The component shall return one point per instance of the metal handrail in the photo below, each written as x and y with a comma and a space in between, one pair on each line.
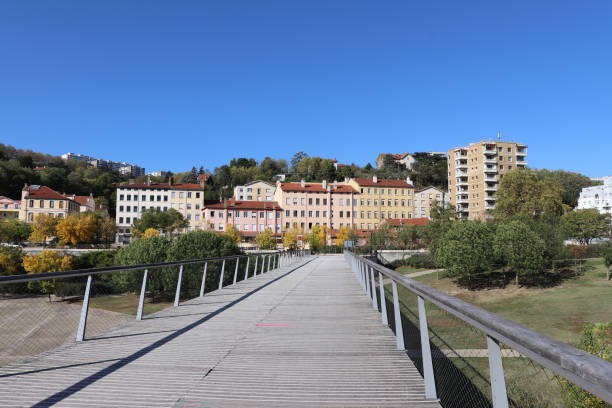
96, 271
587, 371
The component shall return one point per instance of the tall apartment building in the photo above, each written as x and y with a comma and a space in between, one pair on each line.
474, 173
379, 199
37, 200
426, 198
598, 197
255, 191
309, 204
122, 167
132, 199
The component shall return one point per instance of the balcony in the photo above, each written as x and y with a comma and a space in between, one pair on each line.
491, 187
462, 199
489, 149
490, 178
490, 168
490, 206
462, 181
460, 165
490, 159
461, 173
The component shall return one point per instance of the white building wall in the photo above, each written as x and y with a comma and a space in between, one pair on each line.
598, 197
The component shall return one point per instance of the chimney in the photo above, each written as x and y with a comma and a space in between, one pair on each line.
324, 184
375, 179
346, 180
148, 180
170, 181
408, 180
335, 185
303, 183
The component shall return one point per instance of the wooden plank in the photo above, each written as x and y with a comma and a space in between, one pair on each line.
307, 337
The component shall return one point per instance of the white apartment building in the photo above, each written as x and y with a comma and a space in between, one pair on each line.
255, 191
133, 199
425, 198
598, 197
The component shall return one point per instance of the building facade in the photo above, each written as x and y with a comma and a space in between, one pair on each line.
426, 198
308, 204
36, 199
378, 200
402, 158
597, 197
86, 203
122, 167
249, 217
9, 209
474, 173
255, 191
133, 199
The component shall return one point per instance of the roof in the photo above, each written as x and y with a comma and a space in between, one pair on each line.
397, 222
418, 190
9, 199
81, 199
43, 192
232, 204
317, 187
396, 156
258, 181
382, 183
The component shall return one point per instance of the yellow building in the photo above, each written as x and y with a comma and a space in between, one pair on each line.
37, 200
379, 200
474, 173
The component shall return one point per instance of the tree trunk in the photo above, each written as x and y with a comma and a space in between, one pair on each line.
516, 278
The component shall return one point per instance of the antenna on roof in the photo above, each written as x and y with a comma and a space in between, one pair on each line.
499, 135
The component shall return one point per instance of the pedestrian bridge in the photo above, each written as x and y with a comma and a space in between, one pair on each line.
309, 332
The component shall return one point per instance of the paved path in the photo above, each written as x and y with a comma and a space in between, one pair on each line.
306, 337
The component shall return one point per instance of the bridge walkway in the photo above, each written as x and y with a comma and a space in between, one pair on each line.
298, 336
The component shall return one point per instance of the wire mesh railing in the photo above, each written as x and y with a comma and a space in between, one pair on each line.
469, 357
40, 312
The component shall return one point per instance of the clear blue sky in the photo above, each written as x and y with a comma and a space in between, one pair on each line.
171, 84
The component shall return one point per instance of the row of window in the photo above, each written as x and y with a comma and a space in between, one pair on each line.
318, 201
379, 190
129, 220
152, 197
250, 190
248, 227
41, 203
388, 203
245, 214
179, 206
31, 216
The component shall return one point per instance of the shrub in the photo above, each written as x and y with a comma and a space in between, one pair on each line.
94, 259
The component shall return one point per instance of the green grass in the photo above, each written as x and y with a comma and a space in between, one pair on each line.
404, 270
125, 303
559, 312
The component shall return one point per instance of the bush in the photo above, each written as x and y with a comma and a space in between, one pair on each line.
422, 261
94, 259
11, 259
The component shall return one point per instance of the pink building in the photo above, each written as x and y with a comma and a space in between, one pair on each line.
249, 217
308, 204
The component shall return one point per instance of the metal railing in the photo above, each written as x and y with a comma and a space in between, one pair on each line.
533, 361
30, 325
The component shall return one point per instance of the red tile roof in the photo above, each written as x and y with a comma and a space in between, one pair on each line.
81, 199
243, 205
317, 188
396, 222
368, 182
43, 192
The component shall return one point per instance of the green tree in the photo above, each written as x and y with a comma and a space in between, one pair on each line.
14, 231
296, 159
290, 238
521, 249
521, 192
465, 250
571, 183
441, 221
233, 232
410, 236
586, 225
11, 261
382, 237
46, 261
167, 221
43, 228
266, 239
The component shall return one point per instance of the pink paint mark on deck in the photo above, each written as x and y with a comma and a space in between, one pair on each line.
272, 325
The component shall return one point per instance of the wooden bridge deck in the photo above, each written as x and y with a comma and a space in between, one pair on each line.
289, 338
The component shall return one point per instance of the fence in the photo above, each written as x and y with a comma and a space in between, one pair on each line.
87, 303
469, 357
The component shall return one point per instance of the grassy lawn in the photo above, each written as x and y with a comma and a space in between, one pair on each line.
559, 312
125, 303
404, 270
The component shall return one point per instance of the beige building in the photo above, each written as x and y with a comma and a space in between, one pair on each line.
380, 199
9, 209
86, 203
37, 200
402, 158
426, 198
255, 191
474, 173
133, 199
308, 204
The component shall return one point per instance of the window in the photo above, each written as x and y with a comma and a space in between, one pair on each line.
382, 202
288, 201
261, 214
197, 195
348, 214
143, 198
220, 214
382, 191
120, 220
310, 201
317, 201
245, 214
151, 198
361, 202
246, 227
189, 206
295, 201
127, 220
270, 215
165, 198
303, 213
237, 214
341, 214
221, 227
287, 213
302, 201
325, 201
181, 195
375, 203
135, 209
362, 215
172, 194
121, 197
129, 197
52, 204
375, 214
253, 214
189, 194
197, 206
317, 213
212, 213
278, 214
295, 213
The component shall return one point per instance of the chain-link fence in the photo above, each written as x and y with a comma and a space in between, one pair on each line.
38, 313
459, 349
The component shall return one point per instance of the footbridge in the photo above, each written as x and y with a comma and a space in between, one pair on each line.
274, 329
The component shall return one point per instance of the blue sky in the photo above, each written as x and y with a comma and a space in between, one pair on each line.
171, 84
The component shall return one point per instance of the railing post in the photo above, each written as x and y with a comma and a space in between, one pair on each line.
263, 264
222, 272
203, 284
399, 331
246, 269
84, 311
496, 368
383, 300
367, 280
177, 296
143, 290
255, 269
428, 374
373, 285
269, 260
236, 270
